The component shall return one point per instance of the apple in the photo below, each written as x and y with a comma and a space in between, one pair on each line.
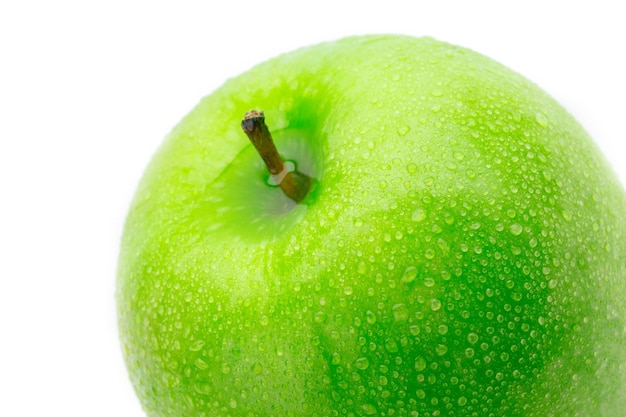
460, 249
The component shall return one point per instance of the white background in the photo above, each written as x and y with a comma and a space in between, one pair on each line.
89, 89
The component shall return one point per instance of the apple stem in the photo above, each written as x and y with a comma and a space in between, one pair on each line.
294, 184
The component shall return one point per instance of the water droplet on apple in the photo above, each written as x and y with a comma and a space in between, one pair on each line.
566, 216
370, 317
516, 229
400, 312
347, 290
420, 363
336, 359
403, 130
436, 93
362, 363
200, 364
391, 345
226, 369
411, 168
472, 338
541, 119
435, 304
369, 409
409, 275
418, 215
197, 345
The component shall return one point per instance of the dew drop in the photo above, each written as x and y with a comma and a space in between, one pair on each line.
200, 364
391, 345
516, 229
403, 130
420, 363
362, 363
196, 346
541, 119
369, 409
472, 338
409, 275
418, 215
400, 313
435, 304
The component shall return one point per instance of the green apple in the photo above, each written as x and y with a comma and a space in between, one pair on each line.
462, 251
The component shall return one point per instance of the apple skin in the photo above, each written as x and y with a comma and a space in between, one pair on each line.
463, 253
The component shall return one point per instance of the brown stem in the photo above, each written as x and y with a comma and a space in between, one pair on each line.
294, 184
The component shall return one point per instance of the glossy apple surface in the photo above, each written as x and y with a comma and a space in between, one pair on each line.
463, 252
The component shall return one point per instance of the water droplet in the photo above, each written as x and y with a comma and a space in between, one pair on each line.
420, 363
411, 168
257, 368
200, 364
437, 93
226, 368
409, 274
553, 283
441, 349
462, 401
429, 253
400, 313
391, 345
435, 304
418, 215
264, 320
362, 363
196, 346
370, 317
369, 409
336, 359
347, 290
472, 338
516, 229
541, 119
403, 130
567, 216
